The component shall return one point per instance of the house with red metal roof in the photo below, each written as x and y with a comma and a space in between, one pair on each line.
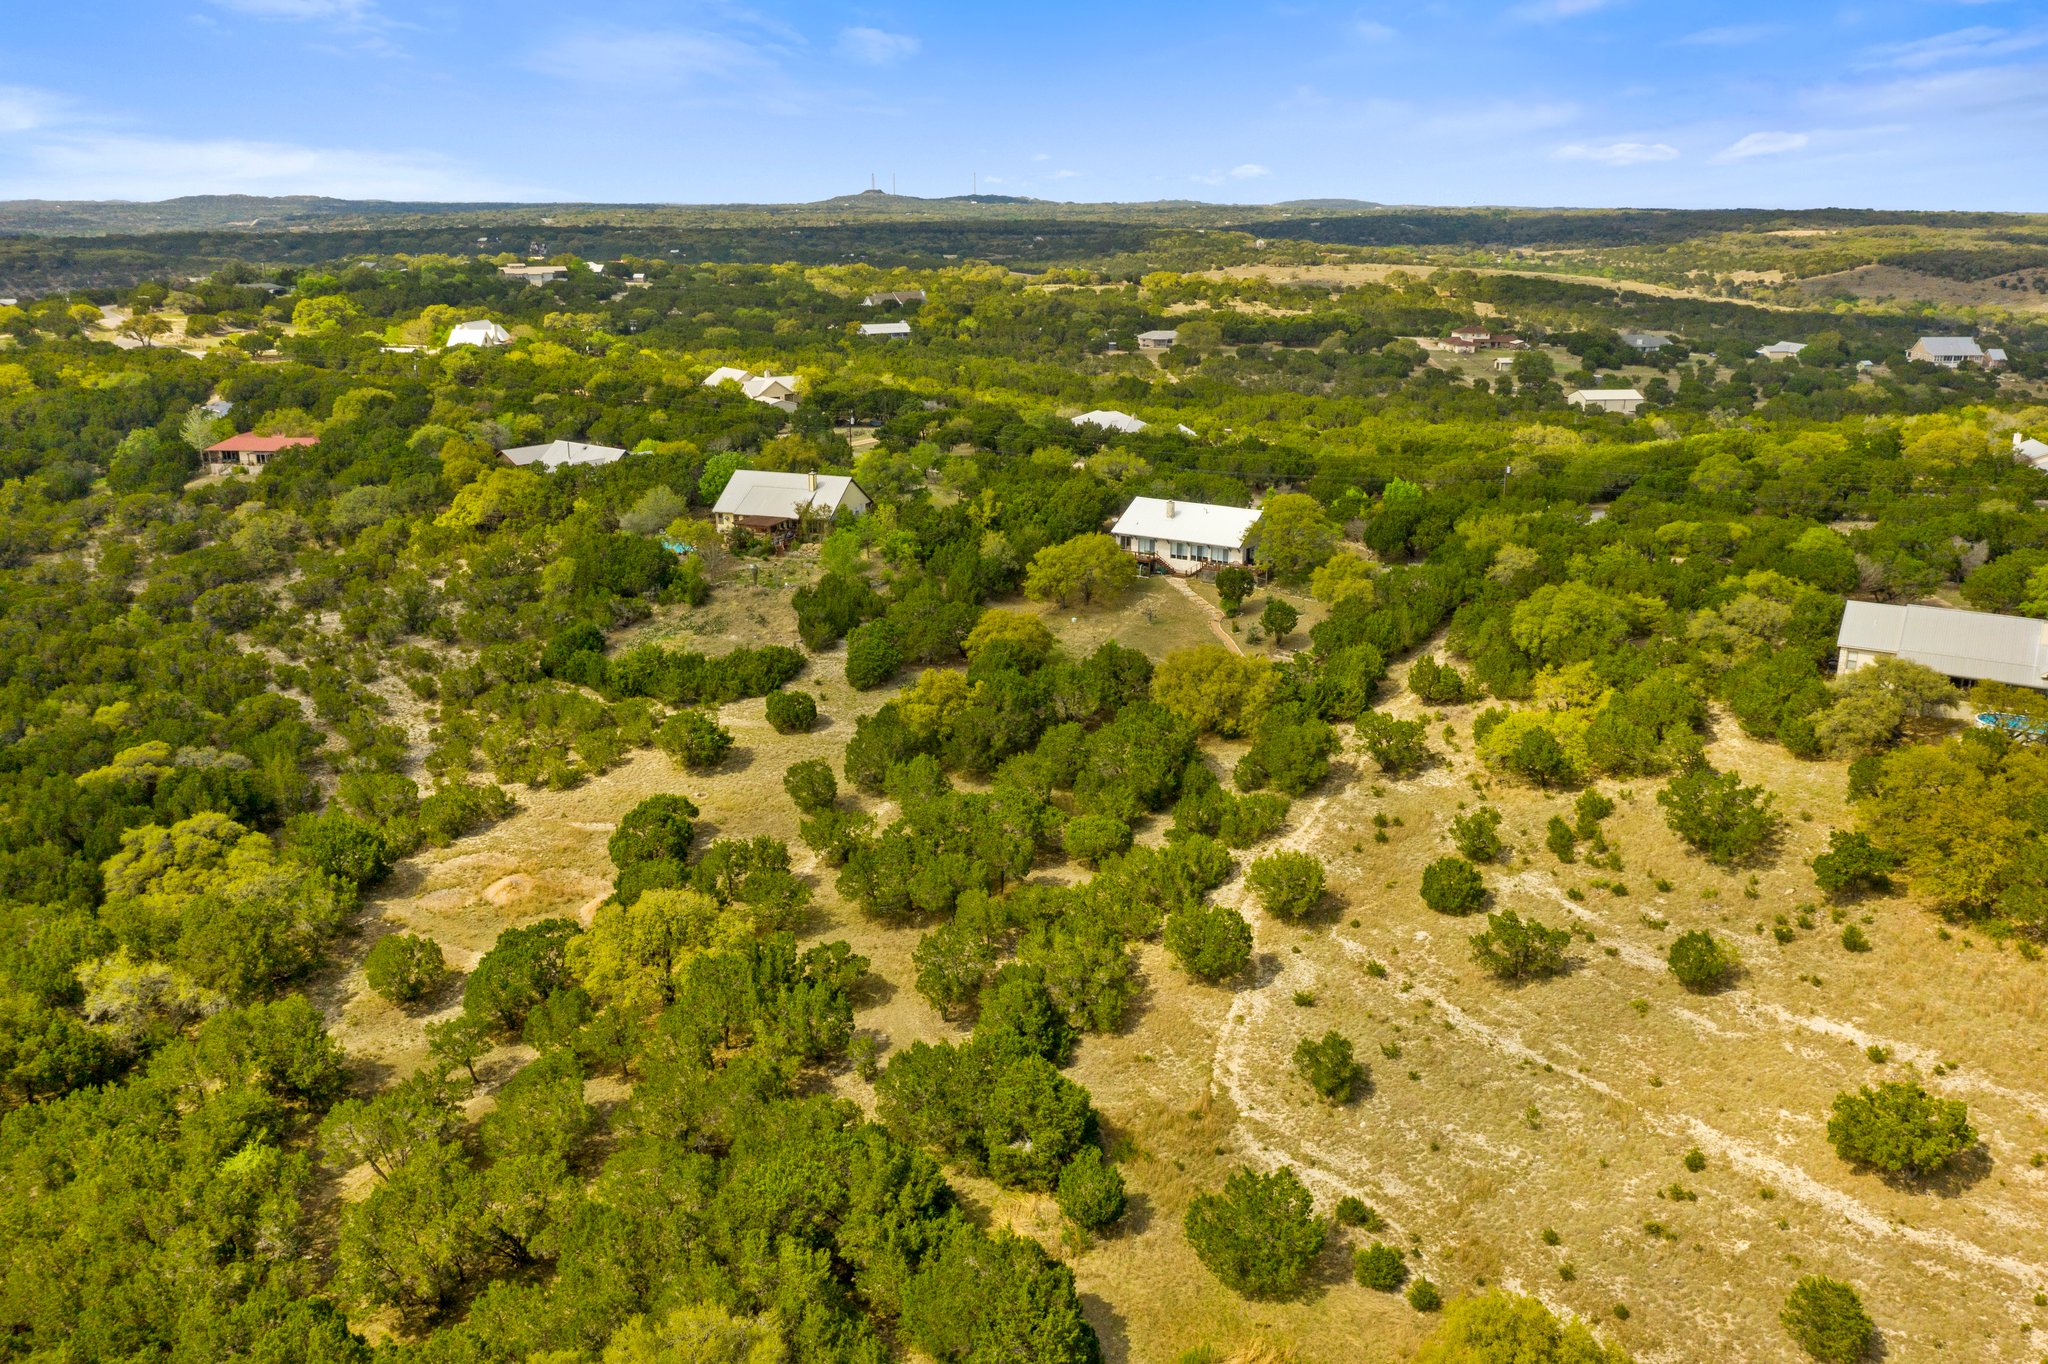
252, 451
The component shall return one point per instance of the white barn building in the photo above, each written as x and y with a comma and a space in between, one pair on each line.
1969, 646
478, 333
1185, 537
1625, 401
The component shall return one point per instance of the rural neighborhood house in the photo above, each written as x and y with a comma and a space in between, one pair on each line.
1967, 646
777, 504
557, 454
252, 451
1185, 537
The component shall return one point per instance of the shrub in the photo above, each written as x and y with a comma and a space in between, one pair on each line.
521, 970
792, 712
872, 655
1094, 838
1289, 884
1496, 1327
1899, 1128
694, 739
1329, 1067
1589, 809
1398, 746
811, 785
1424, 1297
1211, 942
1852, 863
1034, 1123
1279, 619
1718, 815
1379, 1267
1260, 1235
1513, 948
1478, 834
1439, 684
405, 969
1701, 961
1451, 885
460, 809
1854, 939
1091, 1190
351, 849
1826, 1319
1353, 1212
658, 829
1560, 838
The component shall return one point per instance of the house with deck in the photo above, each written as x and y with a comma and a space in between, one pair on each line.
779, 505
1185, 537
1623, 401
1965, 646
1158, 340
1950, 352
560, 454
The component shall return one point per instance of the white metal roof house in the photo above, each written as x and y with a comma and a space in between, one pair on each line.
1994, 358
774, 503
558, 454
896, 296
2034, 452
776, 390
1622, 400
1186, 537
885, 329
478, 333
1950, 352
1970, 646
1111, 420
1781, 350
725, 374
1158, 340
535, 274
1644, 340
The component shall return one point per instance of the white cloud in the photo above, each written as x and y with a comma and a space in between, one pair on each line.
1617, 153
1728, 35
344, 11
95, 166
1977, 43
22, 108
1550, 11
1063, 175
1760, 144
1041, 156
875, 47
1250, 170
1373, 31
674, 54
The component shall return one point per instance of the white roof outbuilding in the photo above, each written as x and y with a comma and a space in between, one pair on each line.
557, 454
478, 333
1191, 523
725, 374
2034, 452
1974, 645
885, 329
1781, 350
1111, 420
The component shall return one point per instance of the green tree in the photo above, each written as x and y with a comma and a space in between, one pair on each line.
1852, 863
1329, 1067
1826, 1319
1477, 834
1518, 949
1095, 839
1085, 569
522, 969
1233, 585
1567, 622
811, 785
694, 739
1035, 1121
1289, 884
1498, 1327
1718, 815
1379, 1267
405, 969
791, 712
873, 656
659, 828
1873, 702
1702, 962
653, 511
1091, 1190
1278, 619
1259, 1236
1294, 536
1398, 746
1899, 1128
701, 1333
1215, 690
1211, 942
1451, 885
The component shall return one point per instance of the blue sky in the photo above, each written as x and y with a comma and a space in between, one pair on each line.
1929, 104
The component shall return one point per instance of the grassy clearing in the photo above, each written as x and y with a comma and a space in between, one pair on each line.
1494, 1112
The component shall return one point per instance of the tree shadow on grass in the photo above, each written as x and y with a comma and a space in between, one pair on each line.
1109, 1329
1952, 1180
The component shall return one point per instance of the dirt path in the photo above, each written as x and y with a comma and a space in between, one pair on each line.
1210, 614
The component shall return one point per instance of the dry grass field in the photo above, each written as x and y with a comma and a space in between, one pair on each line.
1494, 1113
1896, 284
